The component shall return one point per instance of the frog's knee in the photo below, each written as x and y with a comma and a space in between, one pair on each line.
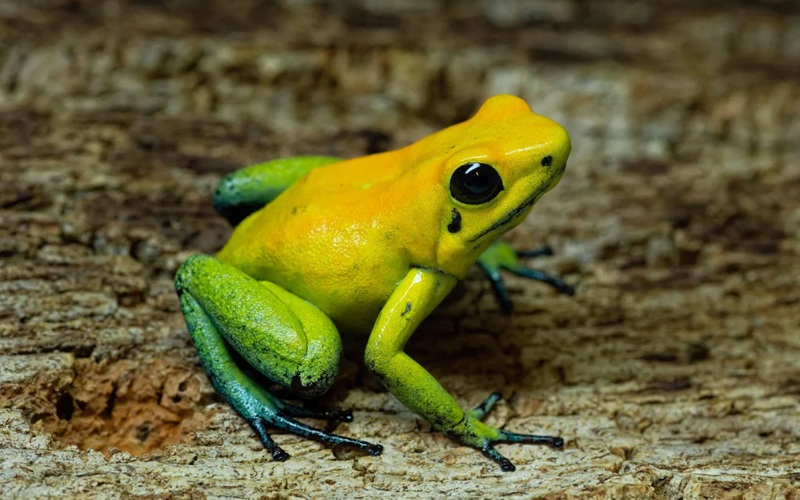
194, 265
320, 366
314, 388
183, 275
376, 361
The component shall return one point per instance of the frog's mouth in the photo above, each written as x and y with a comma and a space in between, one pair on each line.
522, 207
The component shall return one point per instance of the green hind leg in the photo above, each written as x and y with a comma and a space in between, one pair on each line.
246, 190
502, 256
278, 334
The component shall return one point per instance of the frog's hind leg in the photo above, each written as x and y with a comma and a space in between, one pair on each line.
248, 189
309, 408
502, 256
282, 336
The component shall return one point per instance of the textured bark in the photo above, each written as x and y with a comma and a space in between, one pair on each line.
674, 371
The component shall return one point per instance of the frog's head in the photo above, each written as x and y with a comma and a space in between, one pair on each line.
498, 164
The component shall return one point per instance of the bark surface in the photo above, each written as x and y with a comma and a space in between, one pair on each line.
674, 371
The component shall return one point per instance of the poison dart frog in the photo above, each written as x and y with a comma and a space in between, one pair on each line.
368, 246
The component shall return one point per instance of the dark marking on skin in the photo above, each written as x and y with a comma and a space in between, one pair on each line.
509, 216
294, 210
515, 212
439, 424
388, 235
455, 224
547, 161
408, 309
433, 270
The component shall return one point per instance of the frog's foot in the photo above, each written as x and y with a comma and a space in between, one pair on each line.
309, 408
475, 433
502, 256
281, 421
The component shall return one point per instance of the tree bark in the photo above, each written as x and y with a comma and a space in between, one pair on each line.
673, 372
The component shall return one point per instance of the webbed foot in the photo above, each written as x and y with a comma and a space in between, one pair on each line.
283, 421
502, 256
484, 437
263, 410
332, 417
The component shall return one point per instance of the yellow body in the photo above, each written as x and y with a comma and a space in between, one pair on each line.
346, 234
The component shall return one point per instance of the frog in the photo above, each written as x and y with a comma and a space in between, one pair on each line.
366, 247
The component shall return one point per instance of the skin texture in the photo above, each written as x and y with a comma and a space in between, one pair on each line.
369, 246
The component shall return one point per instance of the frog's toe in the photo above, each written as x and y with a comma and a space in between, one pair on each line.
486, 406
544, 251
559, 284
340, 416
491, 452
282, 416
374, 449
333, 417
259, 425
485, 437
480, 411
291, 425
501, 256
556, 442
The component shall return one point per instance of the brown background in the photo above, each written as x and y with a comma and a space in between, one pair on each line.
675, 371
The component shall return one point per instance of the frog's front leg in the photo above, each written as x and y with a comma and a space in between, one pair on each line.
282, 336
413, 299
501, 255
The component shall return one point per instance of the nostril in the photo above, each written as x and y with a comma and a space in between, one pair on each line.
547, 161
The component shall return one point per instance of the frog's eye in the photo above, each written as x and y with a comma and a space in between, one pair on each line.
475, 183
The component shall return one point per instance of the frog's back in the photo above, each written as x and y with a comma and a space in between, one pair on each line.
340, 238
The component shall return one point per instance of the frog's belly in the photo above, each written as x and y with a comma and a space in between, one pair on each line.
348, 271
351, 295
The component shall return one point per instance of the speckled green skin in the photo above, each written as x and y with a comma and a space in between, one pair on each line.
250, 188
282, 336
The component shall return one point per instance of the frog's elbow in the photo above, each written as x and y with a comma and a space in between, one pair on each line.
377, 359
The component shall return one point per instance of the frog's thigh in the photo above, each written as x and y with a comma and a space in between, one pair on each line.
284, 337
243, 192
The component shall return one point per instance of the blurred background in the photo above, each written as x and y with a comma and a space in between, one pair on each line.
674, 371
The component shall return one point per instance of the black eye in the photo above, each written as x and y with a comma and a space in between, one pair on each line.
547, 161
475, 183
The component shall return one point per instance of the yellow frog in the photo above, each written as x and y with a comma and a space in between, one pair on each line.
367, 246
